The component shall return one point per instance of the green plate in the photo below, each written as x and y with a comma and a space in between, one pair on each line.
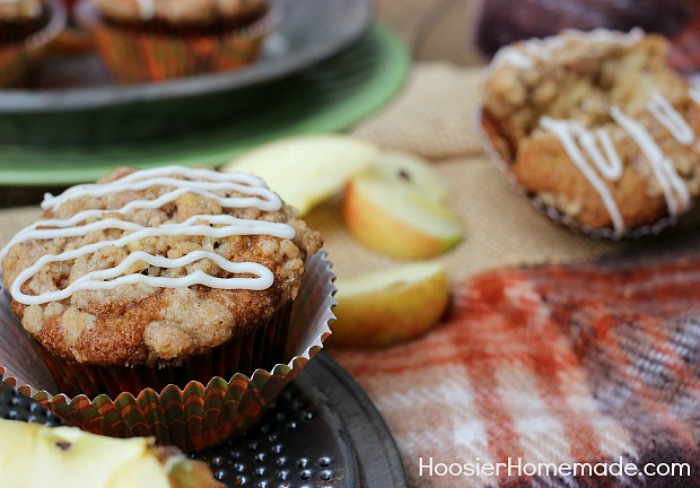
329, 97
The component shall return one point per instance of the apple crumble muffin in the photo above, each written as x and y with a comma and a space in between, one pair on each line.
155, 266
598, 128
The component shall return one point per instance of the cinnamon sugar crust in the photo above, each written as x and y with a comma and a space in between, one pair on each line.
580, 80
138, 324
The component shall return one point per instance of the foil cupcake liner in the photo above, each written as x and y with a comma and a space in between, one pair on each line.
198, 415
18, 59
496, 148
142, 56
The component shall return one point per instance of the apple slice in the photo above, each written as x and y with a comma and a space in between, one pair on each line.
307, 170
407, 167
65, 456
399, 208
388, 307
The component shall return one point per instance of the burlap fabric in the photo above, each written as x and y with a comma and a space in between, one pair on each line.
434, 117
508, 374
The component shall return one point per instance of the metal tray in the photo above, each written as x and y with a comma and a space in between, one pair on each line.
323, 432
76, 103
329, 97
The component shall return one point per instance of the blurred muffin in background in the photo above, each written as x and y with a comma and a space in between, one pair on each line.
597, 129
155, 40
26, 27
183, 14
73, 40
16, 11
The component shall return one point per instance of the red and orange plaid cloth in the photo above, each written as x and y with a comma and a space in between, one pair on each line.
561, 364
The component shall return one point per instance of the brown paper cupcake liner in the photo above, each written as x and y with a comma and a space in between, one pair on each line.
143, 56
497, 149
201, 413
262, 348
18, 58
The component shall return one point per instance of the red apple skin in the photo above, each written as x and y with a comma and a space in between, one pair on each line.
390, 316
382, 232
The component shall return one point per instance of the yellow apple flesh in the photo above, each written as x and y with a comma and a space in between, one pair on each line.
399, 208
39, 456
307, 170
388, 307
410, 168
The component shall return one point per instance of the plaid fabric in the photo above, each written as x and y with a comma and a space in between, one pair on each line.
553, 364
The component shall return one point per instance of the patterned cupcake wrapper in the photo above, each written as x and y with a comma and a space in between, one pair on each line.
134, 57
496, 148
18, 59
200, 414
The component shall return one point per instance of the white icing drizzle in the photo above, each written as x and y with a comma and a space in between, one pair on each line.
94, 280
675, 192
669, 117
211, 226
231, 226
147, 8
694, 93
611, 167
512, 56
569, 132
243, 183
522, 55
574, 136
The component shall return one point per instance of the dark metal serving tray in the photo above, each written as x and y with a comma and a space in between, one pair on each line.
323, 432
76, 103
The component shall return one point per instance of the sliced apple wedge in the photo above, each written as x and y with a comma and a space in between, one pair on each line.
388, 307
307, 170
399, 208
36, 456
395, 165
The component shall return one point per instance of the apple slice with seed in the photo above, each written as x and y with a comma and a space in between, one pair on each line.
399, 208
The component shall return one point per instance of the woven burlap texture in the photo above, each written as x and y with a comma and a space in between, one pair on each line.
434, 117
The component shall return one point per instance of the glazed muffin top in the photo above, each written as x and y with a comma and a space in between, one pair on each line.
180, 12
155, 266
575, 75
20, 10
598, 126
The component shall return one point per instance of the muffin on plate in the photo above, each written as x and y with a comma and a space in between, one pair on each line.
167, 277
156, 40
597, 129
26, 28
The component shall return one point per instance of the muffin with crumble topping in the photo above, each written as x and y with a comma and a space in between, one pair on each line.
156, 40
20, 18
597, 128
26, 28
163, 277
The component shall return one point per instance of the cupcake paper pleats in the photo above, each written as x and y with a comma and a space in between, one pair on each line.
143, 55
